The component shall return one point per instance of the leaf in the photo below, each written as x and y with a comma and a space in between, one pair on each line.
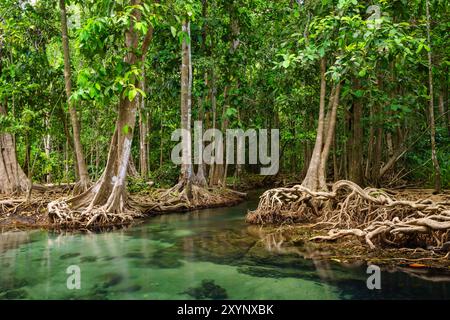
322, 52
231, 112
419, 48
132, 94
417, 265
359, 93
125, 129
362, 73
174, 31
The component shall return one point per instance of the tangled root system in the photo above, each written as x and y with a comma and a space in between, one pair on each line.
185, 197
371, 214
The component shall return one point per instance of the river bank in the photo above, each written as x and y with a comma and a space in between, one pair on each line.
205, 254
17, 214
20, 213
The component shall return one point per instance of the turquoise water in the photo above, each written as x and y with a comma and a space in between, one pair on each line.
209, 254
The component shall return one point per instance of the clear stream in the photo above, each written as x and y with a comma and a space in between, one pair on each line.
209, 254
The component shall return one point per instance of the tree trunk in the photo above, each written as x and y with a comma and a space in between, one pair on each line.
220, 167
186, 175
437, 169
214, 124
331, 125
108, 195
355, 168
161, 141
200, 176
143, 115
378, 143
307, 147
12, 177
82, 169
369, 146
47, 147
311, 179
446, 99
143, 131
335, 162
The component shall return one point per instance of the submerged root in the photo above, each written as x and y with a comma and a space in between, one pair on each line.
370, 214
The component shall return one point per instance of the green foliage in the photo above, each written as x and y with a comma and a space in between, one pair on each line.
165, 176
271, 76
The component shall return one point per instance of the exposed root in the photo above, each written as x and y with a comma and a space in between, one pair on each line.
81, 186
117, 208
371, 214
62, 214
94, 208
186, 197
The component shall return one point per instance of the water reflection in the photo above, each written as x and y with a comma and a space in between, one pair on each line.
210, 254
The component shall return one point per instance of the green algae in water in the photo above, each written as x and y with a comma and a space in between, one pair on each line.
210, 254
111, 279
138, 255
208, 289
70, 255
88, 259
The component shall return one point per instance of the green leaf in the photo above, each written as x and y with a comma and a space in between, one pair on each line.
132, 94
125, 129
231, 112
362, 73
359, 93
174, 31
322, 52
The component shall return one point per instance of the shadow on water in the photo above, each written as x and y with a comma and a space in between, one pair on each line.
208, 254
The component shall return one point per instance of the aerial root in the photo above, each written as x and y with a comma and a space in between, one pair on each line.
349, 210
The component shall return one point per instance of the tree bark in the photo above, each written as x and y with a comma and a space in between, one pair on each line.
214, 124
355, 168
80, 161
200, 178
143, 115
311, 179
12, 177
109, 193
437, 169
331, 126
143, 131
186, 175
